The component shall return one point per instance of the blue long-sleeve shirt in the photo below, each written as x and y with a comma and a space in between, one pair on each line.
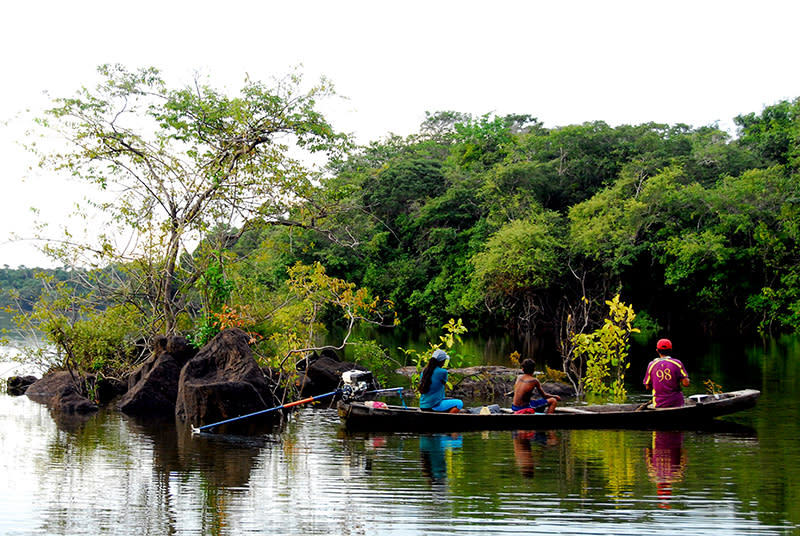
435, 394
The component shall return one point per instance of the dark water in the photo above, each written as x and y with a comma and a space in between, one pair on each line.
113, 475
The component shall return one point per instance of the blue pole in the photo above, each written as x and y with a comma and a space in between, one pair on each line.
263, 411
393, 389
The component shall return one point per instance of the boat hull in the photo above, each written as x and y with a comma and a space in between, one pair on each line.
698, 411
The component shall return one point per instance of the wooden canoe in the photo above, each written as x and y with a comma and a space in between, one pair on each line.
699, 409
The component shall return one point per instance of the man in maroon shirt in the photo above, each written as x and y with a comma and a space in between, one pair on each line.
665, 376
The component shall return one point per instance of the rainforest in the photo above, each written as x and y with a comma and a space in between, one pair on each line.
500, 222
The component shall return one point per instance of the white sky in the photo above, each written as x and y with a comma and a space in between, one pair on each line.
562, 61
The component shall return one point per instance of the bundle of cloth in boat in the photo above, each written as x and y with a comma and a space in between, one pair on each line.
486, 410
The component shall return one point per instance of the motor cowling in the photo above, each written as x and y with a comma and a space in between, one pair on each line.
355, 383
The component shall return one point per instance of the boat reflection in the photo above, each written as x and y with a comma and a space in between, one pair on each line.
666, 463
435, 450
524, 452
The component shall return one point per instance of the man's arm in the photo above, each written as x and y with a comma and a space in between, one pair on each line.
685, 378
648, 384
538, 386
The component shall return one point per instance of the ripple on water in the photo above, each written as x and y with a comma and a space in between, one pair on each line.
113, 475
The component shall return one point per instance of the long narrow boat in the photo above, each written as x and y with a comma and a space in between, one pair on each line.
699, 410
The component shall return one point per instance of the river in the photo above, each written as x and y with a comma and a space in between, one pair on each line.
109, 474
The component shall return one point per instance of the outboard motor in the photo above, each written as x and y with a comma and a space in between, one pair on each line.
355, 383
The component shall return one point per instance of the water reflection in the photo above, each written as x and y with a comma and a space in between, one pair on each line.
525, 454
130, 477
435, 450
115, 475
223, 460
71, 423
666, 461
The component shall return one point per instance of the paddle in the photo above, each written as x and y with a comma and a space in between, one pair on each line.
199, 429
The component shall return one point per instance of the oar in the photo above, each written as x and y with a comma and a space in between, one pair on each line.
196, 430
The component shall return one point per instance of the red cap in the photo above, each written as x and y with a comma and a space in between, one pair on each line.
664, 344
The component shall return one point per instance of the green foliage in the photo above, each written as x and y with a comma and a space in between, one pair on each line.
448, 341
214, 285
205, 329
482, 142
779, 304
102, 342
295, 327
605, 351
496, 220
647, 328
181, 160
216, 290
773, 135
620, 223
20, 287
372, 356
522, 255
608, 227
79, 338
745, 221
512, 191
402, 188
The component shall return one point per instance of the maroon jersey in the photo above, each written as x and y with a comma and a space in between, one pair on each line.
664, 375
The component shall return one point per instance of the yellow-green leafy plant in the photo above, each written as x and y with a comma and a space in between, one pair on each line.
604, 352
553, 375
296, 329
453, 331
712, 388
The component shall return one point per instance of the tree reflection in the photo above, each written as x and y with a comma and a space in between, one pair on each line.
611, 453
217, 467
666, 462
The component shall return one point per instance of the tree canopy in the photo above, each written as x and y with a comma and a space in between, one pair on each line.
496, 220
178, 162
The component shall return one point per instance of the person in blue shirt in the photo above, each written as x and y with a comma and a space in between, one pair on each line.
432, 384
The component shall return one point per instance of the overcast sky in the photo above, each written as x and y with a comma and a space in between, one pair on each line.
563, 61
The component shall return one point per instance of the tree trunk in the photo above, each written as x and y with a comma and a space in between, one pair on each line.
168, 283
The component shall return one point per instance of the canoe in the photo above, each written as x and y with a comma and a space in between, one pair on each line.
698, 410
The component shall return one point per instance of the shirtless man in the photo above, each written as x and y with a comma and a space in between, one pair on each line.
524, 388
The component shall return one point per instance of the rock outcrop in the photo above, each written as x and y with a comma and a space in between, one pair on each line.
222, 381
17, 385
322, 374
63, 391
489, 383
153, 387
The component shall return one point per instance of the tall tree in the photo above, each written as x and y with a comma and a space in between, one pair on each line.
520, 262
774, 135
179, 161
